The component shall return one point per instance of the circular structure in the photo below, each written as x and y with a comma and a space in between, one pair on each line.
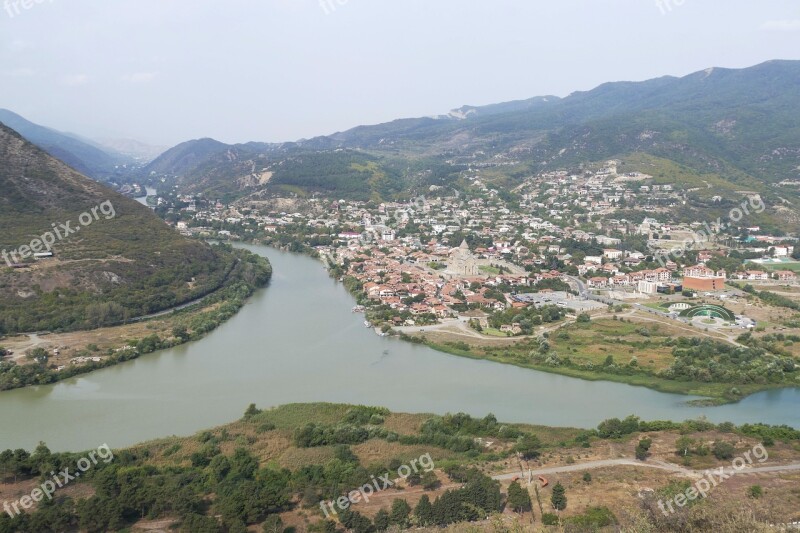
710, 311
681, 306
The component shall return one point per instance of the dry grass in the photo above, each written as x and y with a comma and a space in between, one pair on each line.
405, 424
618, 488
76, 343
621, 340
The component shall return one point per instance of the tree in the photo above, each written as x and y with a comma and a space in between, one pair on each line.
414, 479
723, 450
251, 411
195, 523
643, 448
181, 333
356, 521
529, 446
559, 497
39, 355
615, 428
424, 511
400, 513
519, 499
430, 481
683, 445
381, 520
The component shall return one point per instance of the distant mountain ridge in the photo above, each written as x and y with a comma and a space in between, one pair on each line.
742, 124
82, 155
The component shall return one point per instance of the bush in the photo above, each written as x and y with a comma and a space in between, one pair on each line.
755, 491
593, 519
723, 450
550, 519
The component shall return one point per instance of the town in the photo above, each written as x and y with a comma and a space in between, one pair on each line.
558, 240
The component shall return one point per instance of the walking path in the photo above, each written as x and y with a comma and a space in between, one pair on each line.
660, 465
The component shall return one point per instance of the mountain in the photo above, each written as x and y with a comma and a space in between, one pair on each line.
186, 157
739, 127
114, 259
734, 108
82, 155
214, 168
516, 106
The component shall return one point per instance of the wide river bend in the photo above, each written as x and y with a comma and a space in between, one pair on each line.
297, 341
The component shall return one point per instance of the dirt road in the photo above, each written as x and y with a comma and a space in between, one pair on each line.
660, 465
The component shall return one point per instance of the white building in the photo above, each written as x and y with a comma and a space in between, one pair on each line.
647, 287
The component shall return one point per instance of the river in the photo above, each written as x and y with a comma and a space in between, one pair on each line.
143, 199
297, 341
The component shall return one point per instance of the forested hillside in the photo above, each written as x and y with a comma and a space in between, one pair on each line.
116, 261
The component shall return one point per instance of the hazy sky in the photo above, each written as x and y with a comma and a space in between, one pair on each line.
165, 71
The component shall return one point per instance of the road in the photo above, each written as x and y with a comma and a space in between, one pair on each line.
660, 465
461, 327
667, 319
454, 327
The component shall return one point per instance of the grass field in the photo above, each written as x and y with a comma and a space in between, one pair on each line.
594, 342
489, 269
493, 332
794, 266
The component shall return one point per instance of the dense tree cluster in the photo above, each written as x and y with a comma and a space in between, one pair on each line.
771, 298
712, 361
251, 272
313, 435
528, 318
347, 174
142, 293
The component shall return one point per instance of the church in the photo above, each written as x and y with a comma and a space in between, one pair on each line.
462, 262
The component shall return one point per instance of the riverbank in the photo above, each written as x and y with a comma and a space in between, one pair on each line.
298, 341
47, 358
710, 393
585, 363
713, 394
198, 482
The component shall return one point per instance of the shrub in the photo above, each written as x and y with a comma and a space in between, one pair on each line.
723, 450
550, 519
